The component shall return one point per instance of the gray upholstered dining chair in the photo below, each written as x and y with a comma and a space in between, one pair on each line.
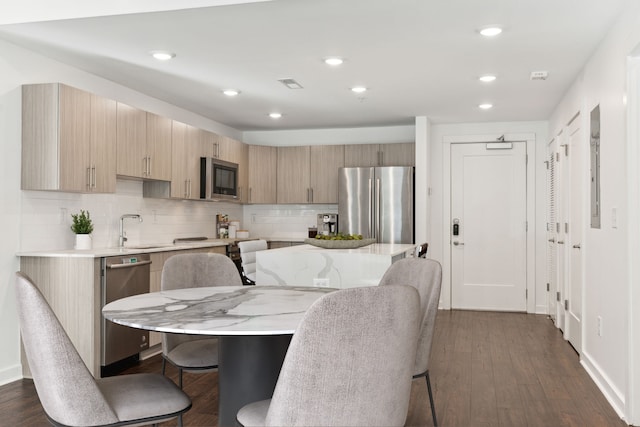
194, 353
248, 251
426, 276
349, 363
68, 392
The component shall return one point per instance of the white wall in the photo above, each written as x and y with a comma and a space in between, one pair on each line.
605, 250
40, 220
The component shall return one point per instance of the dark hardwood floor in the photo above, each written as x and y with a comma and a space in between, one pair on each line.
487, 369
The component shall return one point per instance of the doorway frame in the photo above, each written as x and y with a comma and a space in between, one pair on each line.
631, 403
529, 140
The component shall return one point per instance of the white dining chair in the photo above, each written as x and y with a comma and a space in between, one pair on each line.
194, 353
349, 363
426, 276
69, 394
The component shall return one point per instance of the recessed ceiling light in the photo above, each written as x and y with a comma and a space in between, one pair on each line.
358, 89
487, 78
485, 106
334, 61
162, 55
275, 115
231, 92
490, 31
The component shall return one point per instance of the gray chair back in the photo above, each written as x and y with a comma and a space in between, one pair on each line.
248, 251
66, 388
426, 276
350, 361
195, 271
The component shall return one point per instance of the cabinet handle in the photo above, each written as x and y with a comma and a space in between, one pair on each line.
311, 196
144, 165
93, 176
250, 195
149, 166
186, 188
189, 188
89, 178
307, 195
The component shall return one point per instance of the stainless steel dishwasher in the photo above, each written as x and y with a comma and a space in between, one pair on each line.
123, 276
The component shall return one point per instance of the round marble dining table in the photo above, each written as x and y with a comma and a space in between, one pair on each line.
254, 325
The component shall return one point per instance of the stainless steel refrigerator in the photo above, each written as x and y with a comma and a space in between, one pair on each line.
377, 202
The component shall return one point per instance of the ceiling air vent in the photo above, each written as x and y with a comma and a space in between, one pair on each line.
539, 75
290, 83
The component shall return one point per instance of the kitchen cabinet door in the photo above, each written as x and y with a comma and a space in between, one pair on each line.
188, 145
362, 155
158, 148
371, 155
402, 154
234, 151
131, 141
292, 182
103, 145
324, 164
67, 140
263, 162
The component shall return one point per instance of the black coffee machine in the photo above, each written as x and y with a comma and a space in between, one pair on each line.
328, 224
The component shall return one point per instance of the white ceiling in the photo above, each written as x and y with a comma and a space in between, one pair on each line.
418, 57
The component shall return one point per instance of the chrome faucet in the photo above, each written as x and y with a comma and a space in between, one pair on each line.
122, 238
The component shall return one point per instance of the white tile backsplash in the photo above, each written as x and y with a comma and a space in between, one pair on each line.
46, 217
282, 221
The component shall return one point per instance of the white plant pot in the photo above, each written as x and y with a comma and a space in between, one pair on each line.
83, 242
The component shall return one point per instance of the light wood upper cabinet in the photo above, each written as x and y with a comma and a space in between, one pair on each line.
188, 145
68, 140
293, 175
263, 162
158, 147
309, 174
371, 155
325, 162
144, 144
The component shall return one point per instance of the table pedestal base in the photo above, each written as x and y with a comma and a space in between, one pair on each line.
248, 371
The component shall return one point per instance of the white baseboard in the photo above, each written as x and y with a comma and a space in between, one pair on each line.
613, 395
11, 374
542, 309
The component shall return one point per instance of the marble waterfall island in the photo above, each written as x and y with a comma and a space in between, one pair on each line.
307, 265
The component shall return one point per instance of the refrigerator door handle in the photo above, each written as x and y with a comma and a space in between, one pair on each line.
371, 214
377, 210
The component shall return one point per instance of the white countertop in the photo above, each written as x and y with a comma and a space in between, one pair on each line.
391, 249
132, 249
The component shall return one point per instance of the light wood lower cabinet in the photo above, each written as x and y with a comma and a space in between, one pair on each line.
72, 287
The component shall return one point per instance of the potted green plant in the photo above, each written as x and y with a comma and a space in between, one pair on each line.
82, 226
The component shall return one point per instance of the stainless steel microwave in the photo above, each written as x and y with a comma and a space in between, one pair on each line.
218, 179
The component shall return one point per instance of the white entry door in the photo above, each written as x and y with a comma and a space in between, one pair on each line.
574, 196
488, 226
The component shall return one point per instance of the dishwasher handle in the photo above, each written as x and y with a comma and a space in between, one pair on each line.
128, 265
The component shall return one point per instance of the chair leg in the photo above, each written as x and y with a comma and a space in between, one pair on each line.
180, 377
164, 364
180, 420
433, 406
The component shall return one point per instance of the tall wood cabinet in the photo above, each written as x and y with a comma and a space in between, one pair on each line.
188, 145
68, 139
371, 155
309, 174
144, 144
263, 162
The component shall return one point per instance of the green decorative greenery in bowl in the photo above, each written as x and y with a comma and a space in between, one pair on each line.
82, 223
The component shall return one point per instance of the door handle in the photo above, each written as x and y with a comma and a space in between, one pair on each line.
576, 246
458, 243
552, 240
561, 242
